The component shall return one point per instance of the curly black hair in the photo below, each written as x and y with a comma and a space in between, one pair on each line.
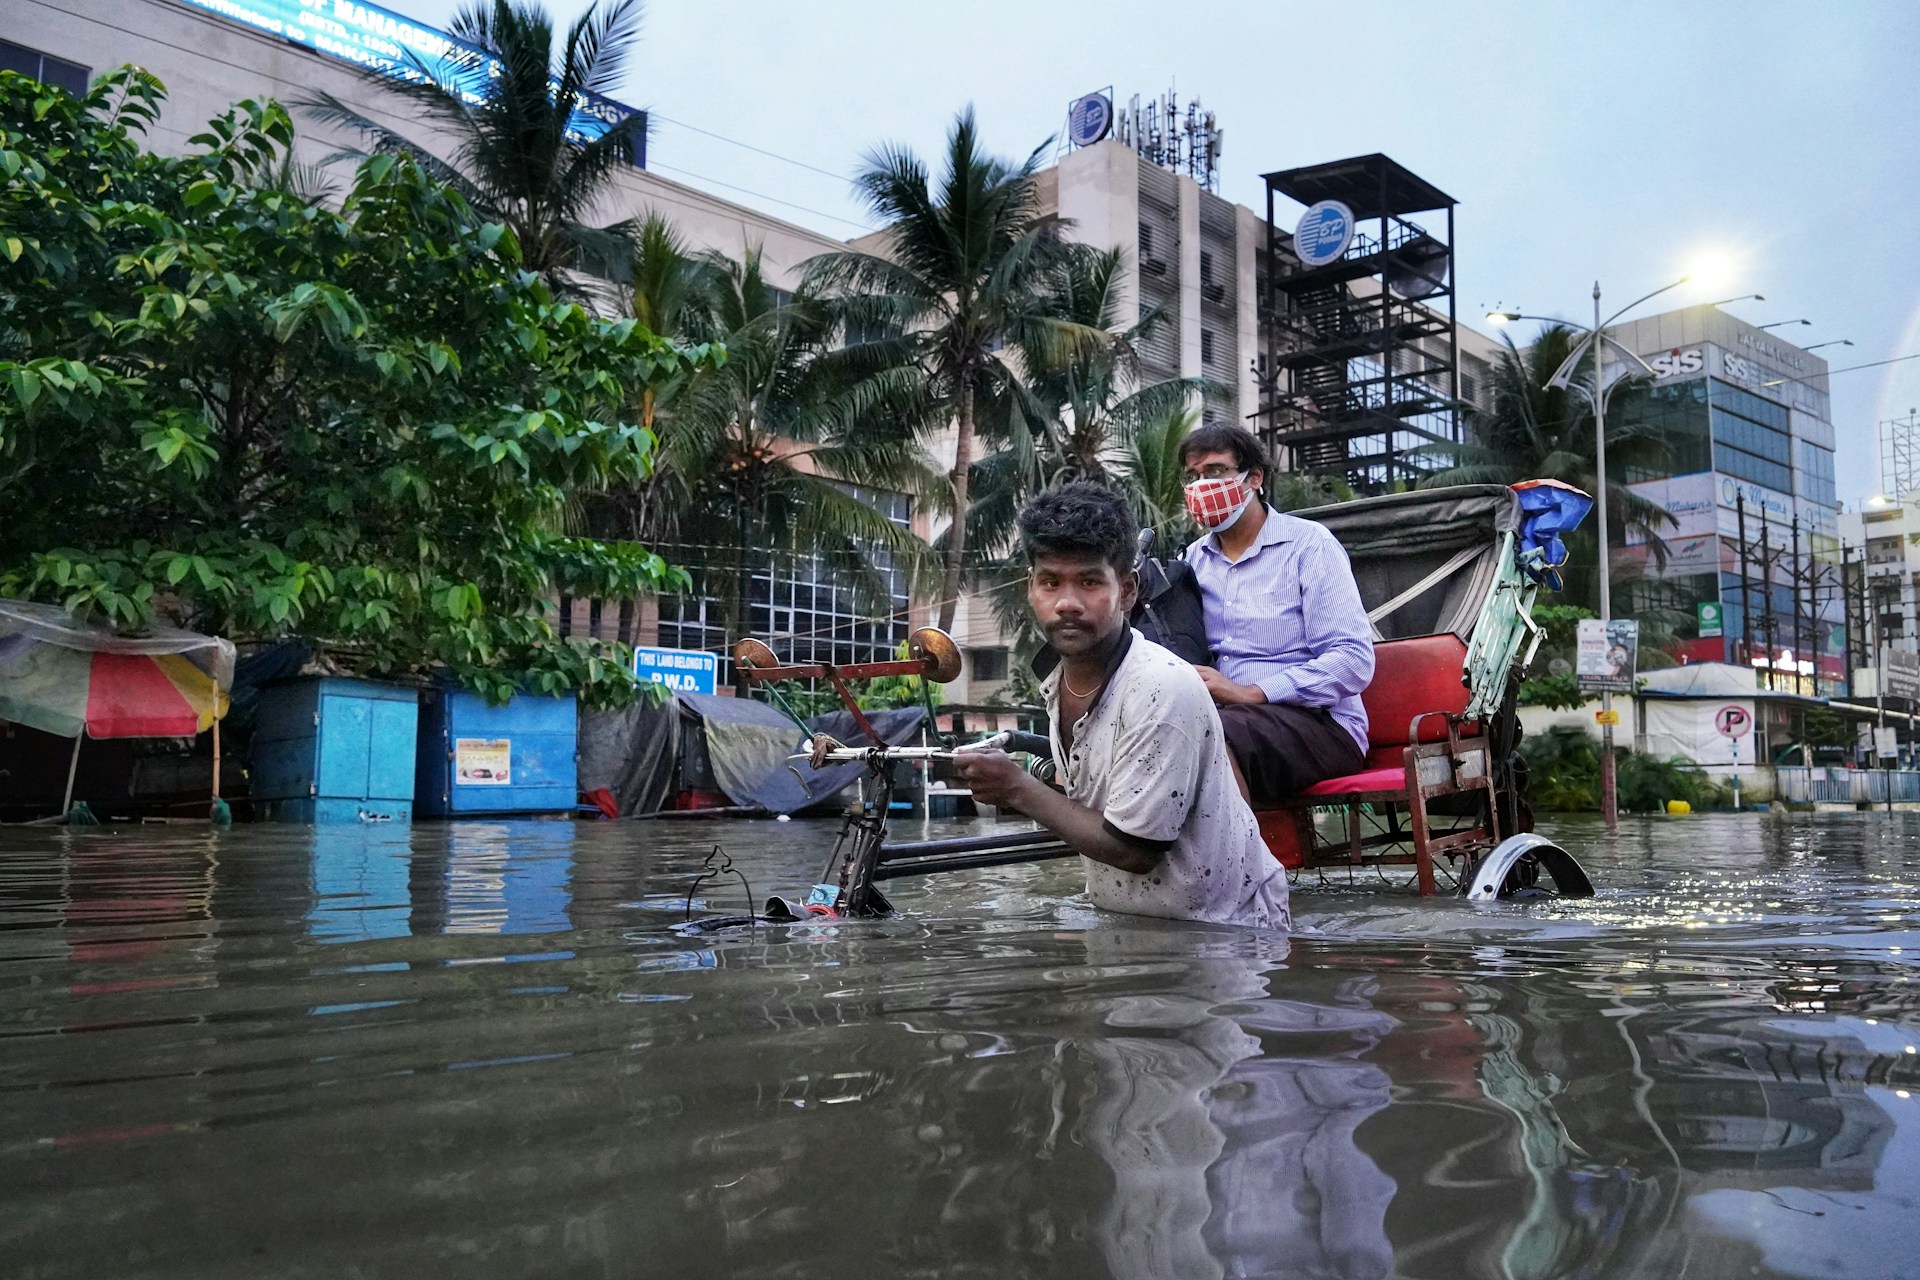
1226, 437
1080, 518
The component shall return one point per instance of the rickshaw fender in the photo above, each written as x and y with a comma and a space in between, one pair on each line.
1491, 872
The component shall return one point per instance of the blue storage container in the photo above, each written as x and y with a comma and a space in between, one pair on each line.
333, 750
478, 758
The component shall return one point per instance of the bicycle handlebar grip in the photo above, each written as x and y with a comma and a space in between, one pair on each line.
1033, 744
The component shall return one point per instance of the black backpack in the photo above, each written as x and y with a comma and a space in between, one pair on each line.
1169, 612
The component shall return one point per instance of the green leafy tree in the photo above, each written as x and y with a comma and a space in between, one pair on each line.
504, 111
958, 283
249, 413
1543, 688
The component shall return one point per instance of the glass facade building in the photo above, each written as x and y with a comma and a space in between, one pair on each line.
1734, 442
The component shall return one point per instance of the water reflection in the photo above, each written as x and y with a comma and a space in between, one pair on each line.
1226, 1114
483, 1047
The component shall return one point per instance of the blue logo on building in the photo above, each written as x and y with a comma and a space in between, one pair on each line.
1324, 233
681, 670
1088, 119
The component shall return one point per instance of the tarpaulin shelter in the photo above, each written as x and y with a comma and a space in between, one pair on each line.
76, 679
638, 755
67, 677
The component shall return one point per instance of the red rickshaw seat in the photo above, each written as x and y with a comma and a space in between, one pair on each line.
1416, 677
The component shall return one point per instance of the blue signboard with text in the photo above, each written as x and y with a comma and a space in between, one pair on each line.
681, 670
392, 44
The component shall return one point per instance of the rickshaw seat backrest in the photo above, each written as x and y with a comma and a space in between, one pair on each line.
1411, 677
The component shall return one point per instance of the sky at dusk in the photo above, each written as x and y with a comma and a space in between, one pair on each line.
1624, 142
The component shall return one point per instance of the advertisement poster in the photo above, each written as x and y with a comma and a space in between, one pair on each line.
1606, 654
482, 762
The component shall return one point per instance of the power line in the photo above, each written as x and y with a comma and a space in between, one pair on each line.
1871, 364
771, 155
700, 177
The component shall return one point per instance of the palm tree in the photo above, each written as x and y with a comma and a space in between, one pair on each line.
672, 292
506, 109
1536, 432
1077, 411
964, 261
761, 454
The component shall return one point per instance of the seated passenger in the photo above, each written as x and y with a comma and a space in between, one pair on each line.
1150, 800
1292, 646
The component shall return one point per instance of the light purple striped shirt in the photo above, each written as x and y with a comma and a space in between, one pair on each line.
1287, 616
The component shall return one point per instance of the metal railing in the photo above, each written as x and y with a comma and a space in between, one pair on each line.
1800, 784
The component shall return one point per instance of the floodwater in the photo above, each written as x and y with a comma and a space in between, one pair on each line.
483, 1050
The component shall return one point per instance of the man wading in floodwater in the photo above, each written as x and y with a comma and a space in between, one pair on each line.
1150, 800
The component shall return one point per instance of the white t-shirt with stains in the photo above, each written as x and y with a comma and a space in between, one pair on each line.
1151, 758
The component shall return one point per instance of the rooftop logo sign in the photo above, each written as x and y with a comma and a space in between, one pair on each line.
1089, 119
1323, 234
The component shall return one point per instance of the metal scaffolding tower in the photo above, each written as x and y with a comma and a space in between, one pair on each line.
1900, 456
1360, 356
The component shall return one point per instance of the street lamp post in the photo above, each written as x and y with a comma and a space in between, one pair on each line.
1596, 341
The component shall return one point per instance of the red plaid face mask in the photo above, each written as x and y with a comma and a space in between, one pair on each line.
1215, 504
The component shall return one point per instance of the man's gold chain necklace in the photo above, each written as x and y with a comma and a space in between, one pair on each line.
1075, 692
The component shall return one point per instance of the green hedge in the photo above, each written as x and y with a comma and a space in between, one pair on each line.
1563, 765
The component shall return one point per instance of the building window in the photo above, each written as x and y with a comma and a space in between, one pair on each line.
1206, 346
1674, 417
1206, 267
70, 76
805, 607
987, 665
1146, 240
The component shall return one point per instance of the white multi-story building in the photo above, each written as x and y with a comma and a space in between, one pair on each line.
1885, 535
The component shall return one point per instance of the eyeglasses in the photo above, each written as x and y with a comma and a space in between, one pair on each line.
1217, 471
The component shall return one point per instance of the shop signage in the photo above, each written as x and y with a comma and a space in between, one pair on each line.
1608, 717
682, 670
1690, 555
1741, 369
1324, 232
381, 40
1708, 614
1900, 673
1677, 363
1777, 505
1605, 655
1089, 119
1762, 345
1690, 500
1886, 742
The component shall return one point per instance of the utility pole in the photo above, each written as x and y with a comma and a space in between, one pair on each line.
1793, 585
1746, 602
1609, 768
1766, 591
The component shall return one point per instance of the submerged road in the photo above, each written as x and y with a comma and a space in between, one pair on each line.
483, 1049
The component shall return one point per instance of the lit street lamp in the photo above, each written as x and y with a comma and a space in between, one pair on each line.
1597, 341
